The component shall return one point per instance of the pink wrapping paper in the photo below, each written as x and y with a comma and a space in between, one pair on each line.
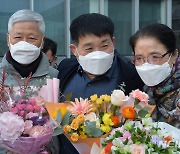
28, 145
50, 90
55, 89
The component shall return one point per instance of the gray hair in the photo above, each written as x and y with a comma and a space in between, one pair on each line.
27, 15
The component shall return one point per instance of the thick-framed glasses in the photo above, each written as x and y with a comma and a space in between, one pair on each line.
154, 58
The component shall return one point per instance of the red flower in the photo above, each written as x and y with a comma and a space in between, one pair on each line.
107, 148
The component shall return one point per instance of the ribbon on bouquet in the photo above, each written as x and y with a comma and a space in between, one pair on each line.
50, 92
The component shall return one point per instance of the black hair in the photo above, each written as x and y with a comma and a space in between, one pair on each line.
91, 23
158, 31
50, 45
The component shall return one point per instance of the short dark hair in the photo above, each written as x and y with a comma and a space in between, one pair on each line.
50, 45
91, 23
161, 32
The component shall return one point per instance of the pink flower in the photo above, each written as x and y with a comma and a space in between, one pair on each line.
31, 114
37, 108
138, 149
11, 126
28, 126
29, 107
141, 96
37, 130
14, 110
21, 106
83, 106
127, 135
21, 113
32, 101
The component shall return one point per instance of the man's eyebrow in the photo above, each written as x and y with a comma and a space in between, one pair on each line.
87, 44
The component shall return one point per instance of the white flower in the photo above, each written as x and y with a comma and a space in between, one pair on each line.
11, 126
147, 121
92, 117
118, 98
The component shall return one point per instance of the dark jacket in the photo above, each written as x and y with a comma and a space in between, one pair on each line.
127, 74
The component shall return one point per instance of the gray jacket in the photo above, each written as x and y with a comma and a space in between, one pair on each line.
42, 71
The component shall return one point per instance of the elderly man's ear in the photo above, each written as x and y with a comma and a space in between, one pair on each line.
8, 39
73, 49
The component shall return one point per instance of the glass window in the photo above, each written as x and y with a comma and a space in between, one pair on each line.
53, 14
120, 13
151, 11
79, 7
7, 8
176, 20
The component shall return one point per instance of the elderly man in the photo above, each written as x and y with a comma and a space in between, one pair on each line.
25, 38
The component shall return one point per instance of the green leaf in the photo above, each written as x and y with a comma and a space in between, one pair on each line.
142, 113
97, 132
138, 106
146, 108
68, 96
118, 134
65, 120
59, 117
57, 131
90, 126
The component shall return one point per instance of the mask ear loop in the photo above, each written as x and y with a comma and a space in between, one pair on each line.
169, 57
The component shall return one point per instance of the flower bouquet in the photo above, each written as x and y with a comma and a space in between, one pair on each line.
94, 118
25, 126
90, 120
142, 137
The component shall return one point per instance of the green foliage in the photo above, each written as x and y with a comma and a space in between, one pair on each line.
66, 119
91, 129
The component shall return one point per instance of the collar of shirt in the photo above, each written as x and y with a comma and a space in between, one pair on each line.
109, 74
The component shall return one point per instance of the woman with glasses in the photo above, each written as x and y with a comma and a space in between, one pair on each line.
158, 64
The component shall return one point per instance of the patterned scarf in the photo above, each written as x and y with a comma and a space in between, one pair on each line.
166, 96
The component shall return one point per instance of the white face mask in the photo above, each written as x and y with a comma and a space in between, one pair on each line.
96, 62
153, 74
24, 52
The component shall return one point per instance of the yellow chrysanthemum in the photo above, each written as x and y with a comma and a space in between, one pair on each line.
80, 118
63, 111
74, 124
93, 97
74, 137
105, 128
107, 98
82, 134
102, 97
107, 119
99, 101
67, 129
83, 128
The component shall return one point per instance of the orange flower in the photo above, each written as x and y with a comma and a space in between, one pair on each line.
67, 129
129, 112
74, 124
80, 118
168, 139
115, 120
107, 148
74, 137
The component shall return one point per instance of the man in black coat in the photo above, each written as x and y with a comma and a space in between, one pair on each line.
97, 68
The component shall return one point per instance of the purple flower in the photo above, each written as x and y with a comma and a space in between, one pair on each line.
38, 120
155, 139
127, 135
